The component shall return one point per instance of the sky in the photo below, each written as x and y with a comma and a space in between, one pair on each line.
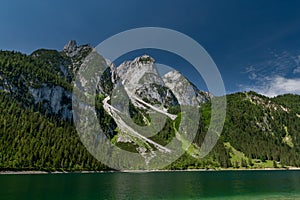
255, 44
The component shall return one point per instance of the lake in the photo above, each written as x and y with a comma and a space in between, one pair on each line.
154, 185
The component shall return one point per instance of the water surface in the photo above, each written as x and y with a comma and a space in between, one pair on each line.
154, 185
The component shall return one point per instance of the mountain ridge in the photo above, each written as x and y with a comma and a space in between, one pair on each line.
258, 132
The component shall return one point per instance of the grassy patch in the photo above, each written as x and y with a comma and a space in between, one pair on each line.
237, 158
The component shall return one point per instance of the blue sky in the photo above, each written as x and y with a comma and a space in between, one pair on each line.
255, 44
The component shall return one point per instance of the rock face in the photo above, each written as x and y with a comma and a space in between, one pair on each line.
186, 92
137, 73
47, 84
140, 77
55, 100
70, 46
71, 49
133, 100
153, 100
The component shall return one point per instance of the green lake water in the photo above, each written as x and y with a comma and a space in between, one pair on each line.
154, 185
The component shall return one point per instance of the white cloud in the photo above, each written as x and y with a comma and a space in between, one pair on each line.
252, 76
269, 77
277, 85
250, 69
296, 70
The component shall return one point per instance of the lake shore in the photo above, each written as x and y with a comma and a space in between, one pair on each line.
146, 171
54, 172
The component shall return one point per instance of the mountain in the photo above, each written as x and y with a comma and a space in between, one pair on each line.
43, 79
37, 130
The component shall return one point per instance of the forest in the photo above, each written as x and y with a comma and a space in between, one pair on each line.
259, 132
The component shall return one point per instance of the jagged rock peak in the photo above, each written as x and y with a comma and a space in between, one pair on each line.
139, 64
72, 49
174, 74
70, 46
186, 93
146, 59
138, 72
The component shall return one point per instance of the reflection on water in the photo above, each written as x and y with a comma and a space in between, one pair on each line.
158, 185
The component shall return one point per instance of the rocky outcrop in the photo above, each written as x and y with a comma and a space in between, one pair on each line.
72, 49
54, 99
139, 77
137, 73
184, 90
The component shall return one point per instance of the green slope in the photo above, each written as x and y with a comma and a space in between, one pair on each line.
259, 131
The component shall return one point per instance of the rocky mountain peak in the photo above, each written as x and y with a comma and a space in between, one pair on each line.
140, 71
145, 59
186, 92
70, 46
72, 49
174, 75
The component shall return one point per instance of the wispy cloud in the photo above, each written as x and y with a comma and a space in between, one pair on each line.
296, 70
276, 76
277, 85
251, 71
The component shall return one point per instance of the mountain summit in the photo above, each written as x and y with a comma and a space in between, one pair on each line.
70, 46
71, 49
37, 131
